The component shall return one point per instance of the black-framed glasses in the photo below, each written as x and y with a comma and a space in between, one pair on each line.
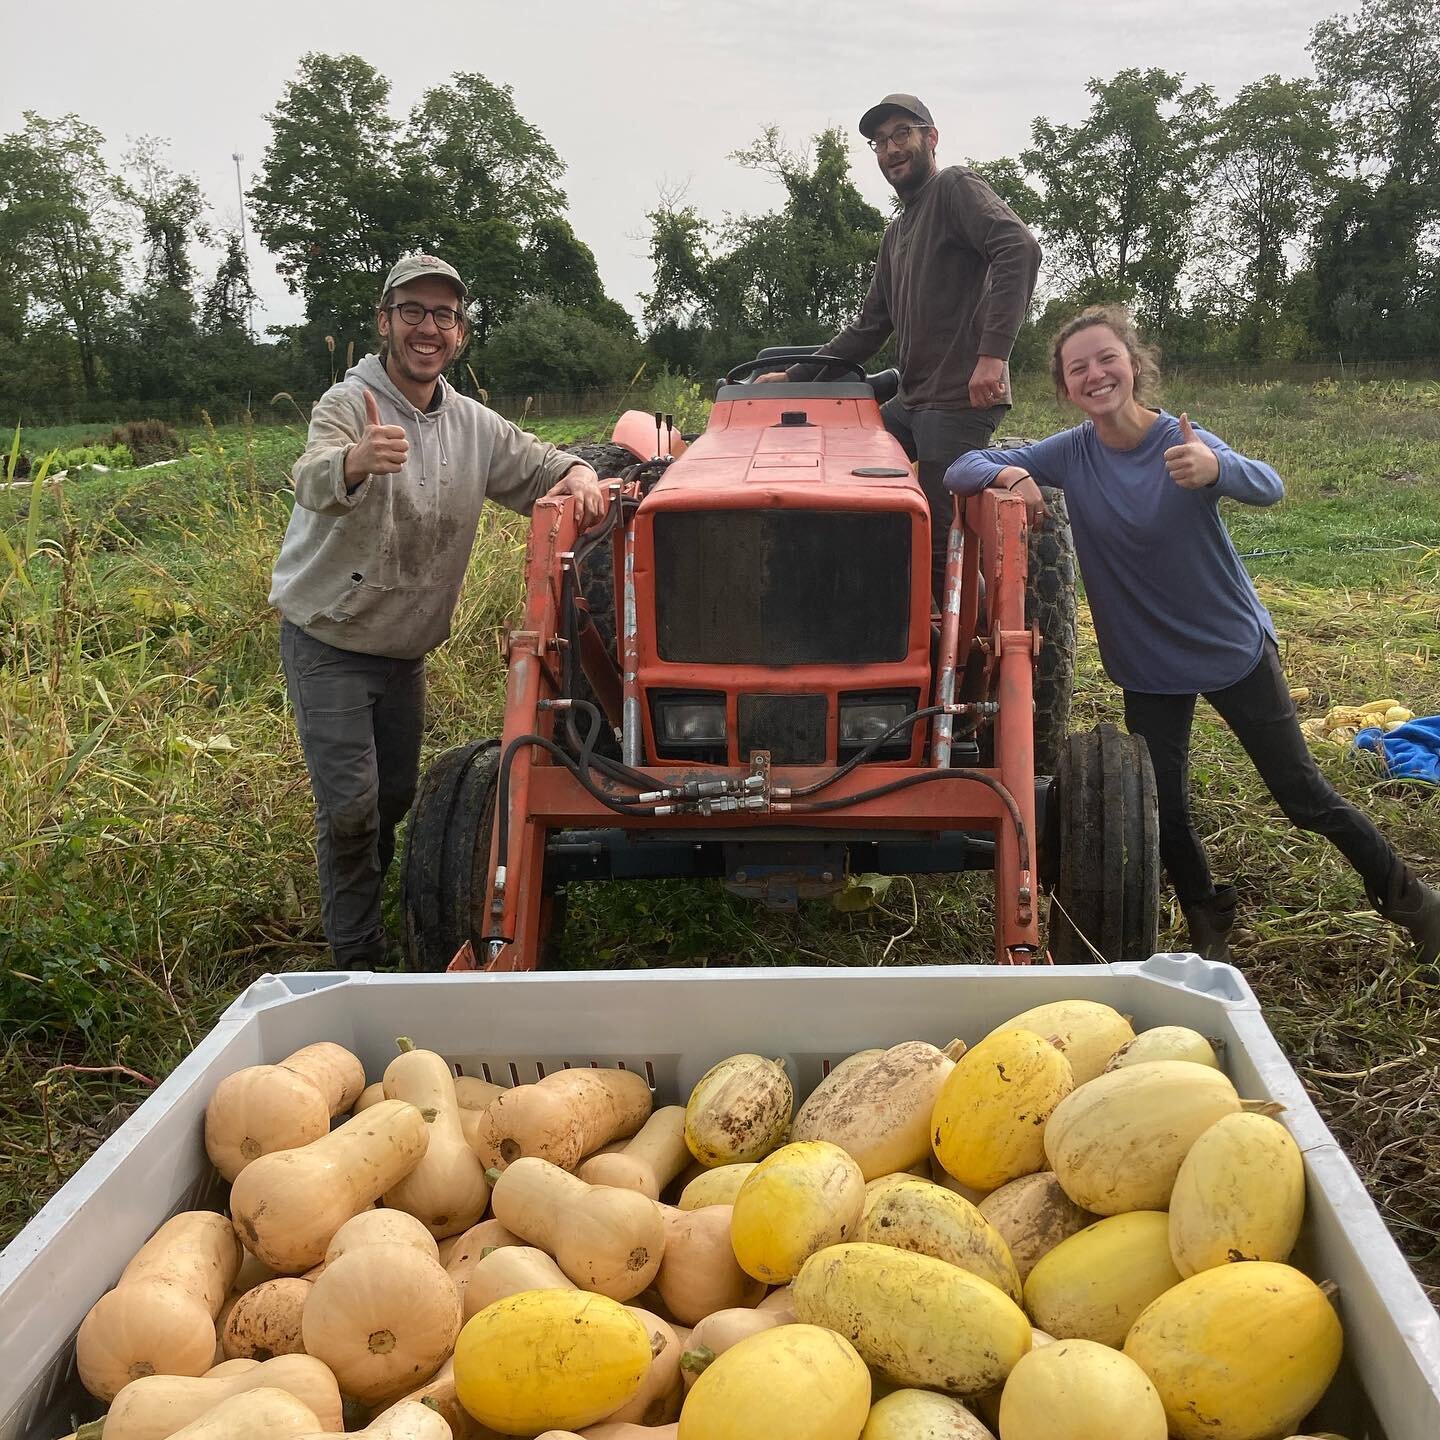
900, 135
412, 312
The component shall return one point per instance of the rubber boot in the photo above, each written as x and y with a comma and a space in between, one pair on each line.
1414, 906
1210, 922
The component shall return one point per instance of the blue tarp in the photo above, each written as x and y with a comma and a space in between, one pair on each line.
1411, 752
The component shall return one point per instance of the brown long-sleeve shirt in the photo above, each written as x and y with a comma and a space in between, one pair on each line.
953, 281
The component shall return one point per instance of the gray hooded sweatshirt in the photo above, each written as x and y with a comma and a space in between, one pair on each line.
378, 570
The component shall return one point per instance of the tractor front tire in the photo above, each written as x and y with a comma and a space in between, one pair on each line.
1050, 606
1101, 854
609, 462
446, 868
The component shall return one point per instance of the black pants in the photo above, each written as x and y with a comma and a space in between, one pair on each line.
359, 718
934, 439
1261, 713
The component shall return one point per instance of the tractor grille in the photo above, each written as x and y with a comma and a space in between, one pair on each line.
782, 587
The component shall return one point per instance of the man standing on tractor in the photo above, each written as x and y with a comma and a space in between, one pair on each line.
387, 502
953, 283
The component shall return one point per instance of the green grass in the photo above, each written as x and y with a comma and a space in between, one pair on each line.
157, 814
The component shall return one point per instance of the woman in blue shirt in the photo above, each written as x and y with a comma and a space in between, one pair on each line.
1176, 615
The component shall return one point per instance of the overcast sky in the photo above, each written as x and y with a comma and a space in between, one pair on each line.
633, 96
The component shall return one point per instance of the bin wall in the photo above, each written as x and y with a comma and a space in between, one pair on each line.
671, 1026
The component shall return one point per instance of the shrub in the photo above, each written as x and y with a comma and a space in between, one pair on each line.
147, 440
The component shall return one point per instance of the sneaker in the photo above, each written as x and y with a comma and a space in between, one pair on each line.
1210, 922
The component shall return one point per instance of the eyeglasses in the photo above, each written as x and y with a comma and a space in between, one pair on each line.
412, 312
900, 135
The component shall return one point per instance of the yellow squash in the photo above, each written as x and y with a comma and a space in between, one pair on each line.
798, 1381
1116, 1143
739, 1110
1093, 1285
921, 1415
989, 1118
801, 1198
550, 1359
719, 1186
1078, 1390
1238, 1352
1165, 1042
1240, 1195
915, 1320
930, 1220
1087, 1032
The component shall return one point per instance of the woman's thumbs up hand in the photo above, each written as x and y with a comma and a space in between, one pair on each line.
1192, 464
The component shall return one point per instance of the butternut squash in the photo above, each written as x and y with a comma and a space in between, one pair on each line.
719, 1186
160, 1317
511, 1270
649, 1161
550, 1359
473, 1093
263, 1108
657, 1401
605, 1240
288, 1204
370, 1095
405, 1420
780, 1301
466, 1249
383, 1318
563, 1118
266, 1321
381, 1227
156, 1406
256, 1416
879, 1111
229, 1367
447, 1191
699, 1273
437, 1394
717, 1332
739, 1110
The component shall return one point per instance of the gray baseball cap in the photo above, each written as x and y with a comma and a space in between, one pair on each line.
910, 104
417, 267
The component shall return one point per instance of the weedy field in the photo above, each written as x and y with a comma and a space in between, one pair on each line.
155, 816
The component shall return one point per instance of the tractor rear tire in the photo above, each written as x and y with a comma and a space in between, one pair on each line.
1050, 606
447, 856
1101, 857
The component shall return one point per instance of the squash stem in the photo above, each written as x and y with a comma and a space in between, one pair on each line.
697, 1360
493, 1174
404, 1044
91, 1430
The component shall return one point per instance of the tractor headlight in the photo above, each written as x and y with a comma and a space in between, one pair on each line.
689, 723
864, 718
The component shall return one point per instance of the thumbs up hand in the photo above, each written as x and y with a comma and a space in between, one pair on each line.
381, 449
1192, 464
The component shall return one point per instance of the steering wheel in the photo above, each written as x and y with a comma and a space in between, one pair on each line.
780, 359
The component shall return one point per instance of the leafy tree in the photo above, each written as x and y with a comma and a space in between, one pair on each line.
225, 306
1116, 195
65, 220
331, 202
1383, 63
543, 347
1271, 152
171, 215
563, 269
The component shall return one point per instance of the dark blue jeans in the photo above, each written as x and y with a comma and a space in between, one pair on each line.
1261, 713
359, 718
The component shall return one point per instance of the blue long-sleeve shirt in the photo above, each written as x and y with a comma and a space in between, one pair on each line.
1174, 610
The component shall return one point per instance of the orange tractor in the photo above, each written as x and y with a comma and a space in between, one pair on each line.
739, 674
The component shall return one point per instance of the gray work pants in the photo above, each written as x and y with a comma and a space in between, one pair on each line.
359, 718
934, 439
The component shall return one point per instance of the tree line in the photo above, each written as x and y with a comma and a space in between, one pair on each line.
1300, 220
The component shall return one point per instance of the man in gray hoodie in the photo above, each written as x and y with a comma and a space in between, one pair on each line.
387, 503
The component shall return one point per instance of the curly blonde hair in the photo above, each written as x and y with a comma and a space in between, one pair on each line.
1144, 357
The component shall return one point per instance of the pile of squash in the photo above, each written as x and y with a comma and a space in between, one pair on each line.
1068, 1232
